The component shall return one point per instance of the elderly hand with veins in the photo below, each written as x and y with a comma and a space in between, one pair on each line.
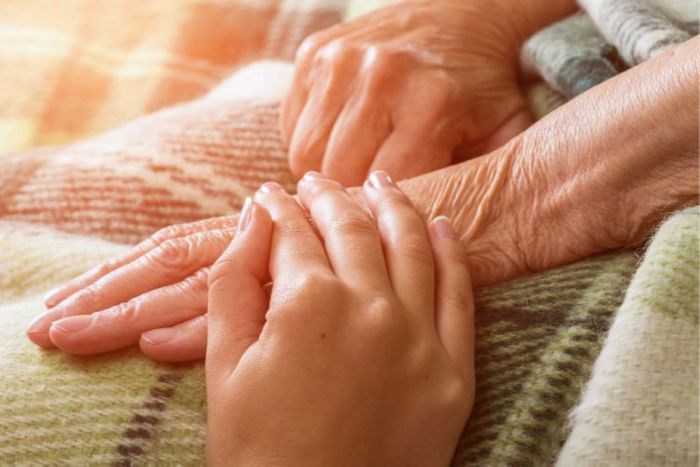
410, 87
596, 174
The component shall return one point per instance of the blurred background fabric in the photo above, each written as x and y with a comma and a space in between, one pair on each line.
75, 68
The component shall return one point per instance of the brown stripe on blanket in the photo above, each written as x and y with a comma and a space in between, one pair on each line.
139, 431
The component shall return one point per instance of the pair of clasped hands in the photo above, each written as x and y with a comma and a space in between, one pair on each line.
361, 352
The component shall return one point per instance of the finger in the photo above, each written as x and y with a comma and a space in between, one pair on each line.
294, 103
237, 299
183, 342
357, 135
405, 154
295, 246
454, 304
172, 261
57, 295
326, 99
349, 234
122, 325
406, 246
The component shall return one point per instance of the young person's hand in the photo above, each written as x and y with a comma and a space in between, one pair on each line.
362, 355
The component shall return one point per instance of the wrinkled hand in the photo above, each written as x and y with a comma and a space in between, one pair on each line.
160, 286
402, 89
156, 294
364, 352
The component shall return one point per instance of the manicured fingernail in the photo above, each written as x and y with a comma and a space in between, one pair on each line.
245, 215
72, 324
442, 227
380, 179
313, 175
269, 187
50, 299
159, 336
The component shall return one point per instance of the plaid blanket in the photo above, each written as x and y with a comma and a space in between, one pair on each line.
83, 67
198, 133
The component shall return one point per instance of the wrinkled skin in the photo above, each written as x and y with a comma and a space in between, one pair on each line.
406, 87
563, 190
364, 352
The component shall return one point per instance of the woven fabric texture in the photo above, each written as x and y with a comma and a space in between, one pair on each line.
207, 138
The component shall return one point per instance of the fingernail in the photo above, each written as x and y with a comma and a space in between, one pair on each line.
73, 324
269, 187
159, 336
380, 179
442, 227
313, 175
245, 215
50, 299
42, 323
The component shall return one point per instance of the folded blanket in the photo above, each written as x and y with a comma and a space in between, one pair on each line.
187, 162
607, 37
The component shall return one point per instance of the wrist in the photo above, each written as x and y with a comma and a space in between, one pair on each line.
609, 166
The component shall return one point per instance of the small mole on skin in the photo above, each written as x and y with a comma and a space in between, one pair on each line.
323, 335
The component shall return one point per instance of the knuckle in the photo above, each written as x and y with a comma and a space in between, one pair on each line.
351, 224
457, 300
379, 64
380, 321
338, 52
198, 282
172, 254
454, 393
414, 247
105, 268
124, 312
381, 331
166, 233
296, 302
312, 286
308, 47
87, 300
290, 226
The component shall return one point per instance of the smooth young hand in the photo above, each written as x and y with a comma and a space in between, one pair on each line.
363, 354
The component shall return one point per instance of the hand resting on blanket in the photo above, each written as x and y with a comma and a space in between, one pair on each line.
329, 344
410, 86
598, 173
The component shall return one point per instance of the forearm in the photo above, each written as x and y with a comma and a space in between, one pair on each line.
618, 159
598, 173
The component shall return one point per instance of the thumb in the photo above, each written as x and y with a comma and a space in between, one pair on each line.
237, 300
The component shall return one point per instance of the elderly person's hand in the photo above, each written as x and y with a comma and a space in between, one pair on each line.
364, 352
405, 88
598, 173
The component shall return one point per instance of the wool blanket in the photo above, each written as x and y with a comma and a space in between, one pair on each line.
573, 365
